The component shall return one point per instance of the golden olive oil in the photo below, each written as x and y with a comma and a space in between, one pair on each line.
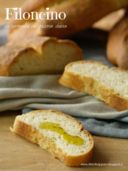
76, 140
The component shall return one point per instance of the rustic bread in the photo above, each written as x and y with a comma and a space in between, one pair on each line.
80, 14
37, 55
117, 47
107, 84
108, 22
60, 134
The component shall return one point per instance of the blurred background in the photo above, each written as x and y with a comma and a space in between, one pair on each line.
8, 3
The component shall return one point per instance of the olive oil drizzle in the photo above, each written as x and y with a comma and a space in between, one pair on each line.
54, 127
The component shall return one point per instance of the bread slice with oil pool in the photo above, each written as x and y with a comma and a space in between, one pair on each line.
60, 134
109, 84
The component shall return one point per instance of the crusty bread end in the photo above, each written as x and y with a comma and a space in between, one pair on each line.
37, 55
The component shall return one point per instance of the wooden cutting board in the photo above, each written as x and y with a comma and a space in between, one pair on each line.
17, 154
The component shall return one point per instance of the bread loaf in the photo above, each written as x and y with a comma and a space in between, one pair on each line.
37, 55
117, 47
58, 133
107, 84
81, 14
108, 22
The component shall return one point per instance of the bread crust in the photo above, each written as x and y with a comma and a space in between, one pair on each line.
117, 47
77, 12
34, 136
108, 22
35, 44
93, 87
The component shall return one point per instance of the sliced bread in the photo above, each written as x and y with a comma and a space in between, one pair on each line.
60, 134
105, 83
37, 55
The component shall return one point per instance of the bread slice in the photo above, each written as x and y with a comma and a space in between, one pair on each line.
37, 55
60, 134
107, 84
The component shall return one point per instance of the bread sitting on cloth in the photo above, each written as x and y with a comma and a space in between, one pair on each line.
107, 84
37, 55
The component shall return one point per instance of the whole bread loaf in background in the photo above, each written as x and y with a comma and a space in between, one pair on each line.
107, 84
81, 14
117, 48
108, 22
37, 55
60, 134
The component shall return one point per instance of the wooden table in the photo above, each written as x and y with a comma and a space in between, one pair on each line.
17, 154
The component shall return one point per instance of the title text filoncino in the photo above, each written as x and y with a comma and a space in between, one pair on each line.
47, 14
